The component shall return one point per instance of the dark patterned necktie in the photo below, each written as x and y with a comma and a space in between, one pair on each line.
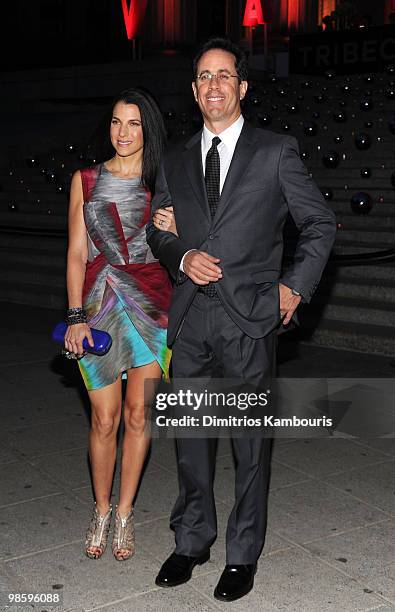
211, 178
212, 174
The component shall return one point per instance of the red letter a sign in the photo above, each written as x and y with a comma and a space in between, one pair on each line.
253, 13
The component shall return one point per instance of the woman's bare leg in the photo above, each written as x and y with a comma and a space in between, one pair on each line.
136, 441
106, 404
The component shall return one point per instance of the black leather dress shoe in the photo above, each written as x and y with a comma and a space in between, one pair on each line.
177, 569
235, 582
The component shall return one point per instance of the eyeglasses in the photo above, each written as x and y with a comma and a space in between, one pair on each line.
222, 76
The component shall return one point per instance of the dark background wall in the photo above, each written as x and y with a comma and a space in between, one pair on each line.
43, 33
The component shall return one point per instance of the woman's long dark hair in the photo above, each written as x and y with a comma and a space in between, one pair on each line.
154, 132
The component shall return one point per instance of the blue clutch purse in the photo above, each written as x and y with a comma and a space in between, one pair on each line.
102, 340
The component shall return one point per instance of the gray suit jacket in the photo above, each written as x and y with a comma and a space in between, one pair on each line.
265, 181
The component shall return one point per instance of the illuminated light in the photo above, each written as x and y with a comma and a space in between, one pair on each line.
253, 14
293, 14
133, 16
325, 7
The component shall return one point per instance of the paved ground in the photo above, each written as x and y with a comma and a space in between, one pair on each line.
331, 521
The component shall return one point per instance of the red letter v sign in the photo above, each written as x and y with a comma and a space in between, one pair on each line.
129, 17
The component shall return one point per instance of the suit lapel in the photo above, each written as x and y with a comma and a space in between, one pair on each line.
243, 153
193, 165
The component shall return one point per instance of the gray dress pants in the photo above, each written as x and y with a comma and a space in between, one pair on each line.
210, 344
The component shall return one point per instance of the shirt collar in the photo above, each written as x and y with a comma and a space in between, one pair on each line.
228, 137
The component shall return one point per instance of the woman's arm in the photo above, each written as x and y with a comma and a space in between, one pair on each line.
165, 246
77, 254
164, 220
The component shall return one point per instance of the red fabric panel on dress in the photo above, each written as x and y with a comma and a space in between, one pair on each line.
118, 226
88, 178
147, 211
93, 268
154, 282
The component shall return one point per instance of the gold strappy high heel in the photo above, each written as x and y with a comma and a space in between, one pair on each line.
123, 538
97, 534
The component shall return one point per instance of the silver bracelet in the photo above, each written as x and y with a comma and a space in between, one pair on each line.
76, 315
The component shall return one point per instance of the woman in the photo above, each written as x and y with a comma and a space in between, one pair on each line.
115, 284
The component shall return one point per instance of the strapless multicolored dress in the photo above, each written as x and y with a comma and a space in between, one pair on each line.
126, 291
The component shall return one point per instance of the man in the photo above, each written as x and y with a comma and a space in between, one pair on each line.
231, 188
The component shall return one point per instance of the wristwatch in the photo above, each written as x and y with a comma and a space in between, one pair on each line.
295, 292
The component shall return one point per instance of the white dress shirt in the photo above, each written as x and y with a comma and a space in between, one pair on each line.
226, 148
